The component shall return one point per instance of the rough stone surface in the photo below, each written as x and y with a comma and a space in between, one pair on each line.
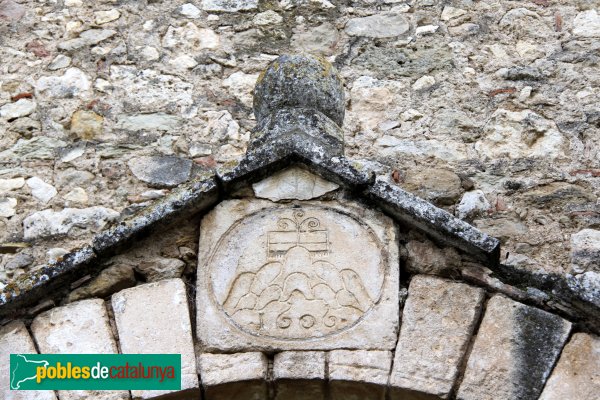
189, 10
229, 5
585, 251
41, 190
15, 339
217, 369
320, 40
451, 12
74, 82
162, 326
161, 171
51, 223
80, 327
108, 281
276, 277
586, 286
11, 11
501, 228
472, 204
299, 365
293, 183
425, 257
514, 352
59, 62
77, 196
161, 268
155, 121
7, 206
190, 199
21, 260
360, 366
426, 30
587, 24
292, 150
300, 375
241, 86
149, 90
7, 185
103, 17
358, 374
26, 289
293, 81
20, 108
77, 328
86, 124
424, 83
190, 38
436, 185
292, 128
87, 38
427, 362
267, 18
515, 134
577, 374
234, 376
378, 26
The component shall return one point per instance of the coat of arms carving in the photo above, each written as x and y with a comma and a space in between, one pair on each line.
299, 290
296, 275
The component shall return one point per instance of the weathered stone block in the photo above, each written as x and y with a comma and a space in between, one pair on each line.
299, 365
513, 354
380, 25
217, 369
234, 376
110, 280
577, 374
585, 251
161, 171
440, 186
360, 366
359, 374
15, 339
424, 257
290, 277
300, 81
77, 328
293, 183
229, 6
300, 375
155, 318
437, 323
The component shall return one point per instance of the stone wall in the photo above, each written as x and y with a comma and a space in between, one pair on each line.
488, 109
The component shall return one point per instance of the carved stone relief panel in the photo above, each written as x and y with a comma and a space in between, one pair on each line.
308, 275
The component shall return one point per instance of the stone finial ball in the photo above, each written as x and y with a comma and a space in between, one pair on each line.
299, 81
